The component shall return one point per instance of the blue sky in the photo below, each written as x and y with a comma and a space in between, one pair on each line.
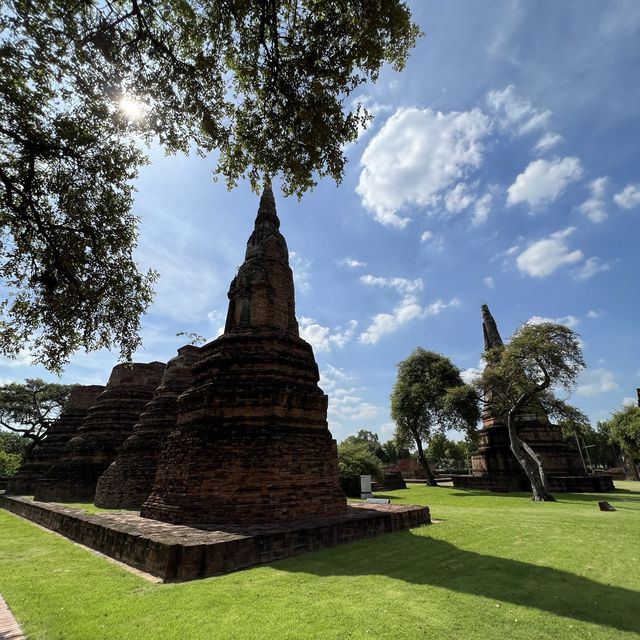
502, 167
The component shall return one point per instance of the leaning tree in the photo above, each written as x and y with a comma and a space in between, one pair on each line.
267, 84
429, 394
521, 377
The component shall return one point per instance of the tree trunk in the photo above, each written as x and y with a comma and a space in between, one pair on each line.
529, 461
431, 480
629, 467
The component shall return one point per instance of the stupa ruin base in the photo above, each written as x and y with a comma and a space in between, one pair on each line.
596, 483
178, 553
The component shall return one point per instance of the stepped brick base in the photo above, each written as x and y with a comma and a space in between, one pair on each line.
243, 474
597, 483
178, 553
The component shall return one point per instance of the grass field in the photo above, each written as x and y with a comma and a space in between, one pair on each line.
498, 566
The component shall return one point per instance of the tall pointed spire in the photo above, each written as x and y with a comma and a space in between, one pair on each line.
490, 330
261, 294
267, 209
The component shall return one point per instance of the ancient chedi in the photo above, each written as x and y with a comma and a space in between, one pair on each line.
128, 481
108, 424
493, 464
50, 450
252, 443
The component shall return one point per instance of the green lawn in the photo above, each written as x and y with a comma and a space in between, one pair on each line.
499, 566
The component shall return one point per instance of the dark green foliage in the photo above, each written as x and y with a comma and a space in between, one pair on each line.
430, 394
9, 464
624, 430
448, 454
394, 450
30, 408
13, 443
356, 459
265, 83
369, 439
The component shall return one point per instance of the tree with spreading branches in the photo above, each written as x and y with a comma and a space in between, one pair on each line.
428, 396
31, 407
520, 378
267, 84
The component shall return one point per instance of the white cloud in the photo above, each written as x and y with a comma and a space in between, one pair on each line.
217, 318
516, 114
482, 208
590, 268
547, 141
415, 156
406, 310
594, 207
593, 382
401, 285
301, 268
344, 402
489, 282
567, 321
629, 401
544, 180
595, 313
426, 236
629, 197
322, 338
352, 262
436, 307
21, 359
459, 198
543, 257
470, 374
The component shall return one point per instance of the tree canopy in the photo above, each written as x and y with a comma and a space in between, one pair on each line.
623, 429
30, 408
429, 394
265, 83
521, 377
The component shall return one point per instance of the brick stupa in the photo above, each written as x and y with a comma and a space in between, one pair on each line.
51, 449
252, 443
128, 481
108, 424
493, 465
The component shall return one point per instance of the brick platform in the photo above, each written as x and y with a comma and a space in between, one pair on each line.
178, 553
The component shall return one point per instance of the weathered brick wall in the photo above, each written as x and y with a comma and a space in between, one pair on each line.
212, 473
107, 425
51, 450
128, 481
176, 553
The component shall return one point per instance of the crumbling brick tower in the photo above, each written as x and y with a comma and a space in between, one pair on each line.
252, 443
128, 481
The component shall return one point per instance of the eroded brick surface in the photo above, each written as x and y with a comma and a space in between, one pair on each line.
128, 480
106, 426
252, 443
35, 467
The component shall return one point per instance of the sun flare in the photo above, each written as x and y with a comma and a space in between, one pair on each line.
132, 108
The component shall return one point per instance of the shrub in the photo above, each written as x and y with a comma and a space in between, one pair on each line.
9, 463
354, 460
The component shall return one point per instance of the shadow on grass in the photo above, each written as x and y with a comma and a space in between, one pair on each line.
621, 494
419, 559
